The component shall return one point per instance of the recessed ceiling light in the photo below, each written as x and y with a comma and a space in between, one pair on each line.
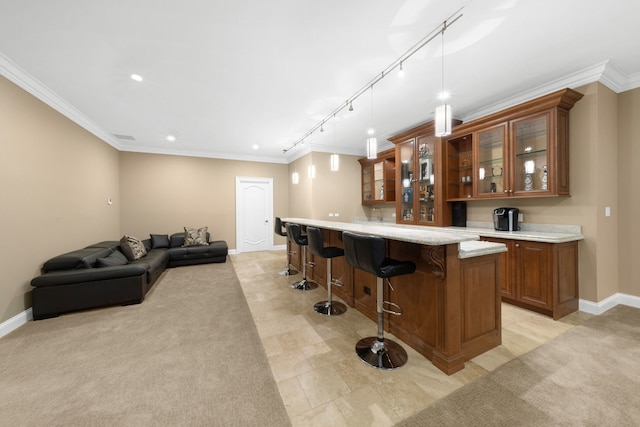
171, 138
255, 146
136, 77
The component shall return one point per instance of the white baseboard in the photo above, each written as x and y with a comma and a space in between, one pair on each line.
15, 322
607, 303
279, 248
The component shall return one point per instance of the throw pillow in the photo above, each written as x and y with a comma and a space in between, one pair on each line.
159, 241
116, 258
195, 237
132, 247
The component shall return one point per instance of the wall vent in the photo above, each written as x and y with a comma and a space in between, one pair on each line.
125, 137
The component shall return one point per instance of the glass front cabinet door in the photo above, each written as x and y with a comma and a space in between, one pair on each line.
531, 157
492, 173
418, 190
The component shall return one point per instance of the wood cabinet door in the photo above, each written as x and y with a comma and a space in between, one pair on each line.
534, 265
507, 283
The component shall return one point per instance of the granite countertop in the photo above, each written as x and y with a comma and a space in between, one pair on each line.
476, 248
547, 233
433, 236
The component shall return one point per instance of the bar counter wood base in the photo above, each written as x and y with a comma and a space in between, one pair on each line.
450, 307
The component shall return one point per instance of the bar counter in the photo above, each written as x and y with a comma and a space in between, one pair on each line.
450, 305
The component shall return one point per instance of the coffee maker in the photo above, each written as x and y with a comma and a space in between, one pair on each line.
506, 219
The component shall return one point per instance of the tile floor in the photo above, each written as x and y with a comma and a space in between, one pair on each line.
321, 380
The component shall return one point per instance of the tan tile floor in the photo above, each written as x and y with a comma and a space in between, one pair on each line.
321, 380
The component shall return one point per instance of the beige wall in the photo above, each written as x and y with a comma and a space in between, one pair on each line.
628, 171
329, 192
161, 194
55, 179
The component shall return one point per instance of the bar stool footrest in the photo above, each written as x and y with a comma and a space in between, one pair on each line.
393, 304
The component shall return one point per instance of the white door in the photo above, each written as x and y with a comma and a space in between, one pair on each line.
254, 214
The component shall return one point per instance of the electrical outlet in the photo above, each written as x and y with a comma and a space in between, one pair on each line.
607, 211
330, 214
336, 214
520, 217
367, 290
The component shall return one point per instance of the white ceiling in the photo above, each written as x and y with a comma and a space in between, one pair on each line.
224, 75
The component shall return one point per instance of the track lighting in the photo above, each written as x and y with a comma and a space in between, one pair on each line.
443, 113
401, 71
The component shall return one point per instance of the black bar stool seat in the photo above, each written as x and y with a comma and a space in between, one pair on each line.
369, 253
316, 245
294, 234
281, 231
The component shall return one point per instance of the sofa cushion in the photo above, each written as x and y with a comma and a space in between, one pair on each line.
78, 259
115, 258
159, 241
195, 236
132, 247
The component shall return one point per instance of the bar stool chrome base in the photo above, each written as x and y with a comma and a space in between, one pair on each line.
304, 285
288, 272
387, 354
330, 308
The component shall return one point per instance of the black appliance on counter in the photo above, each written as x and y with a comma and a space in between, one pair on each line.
506, 219
459, 214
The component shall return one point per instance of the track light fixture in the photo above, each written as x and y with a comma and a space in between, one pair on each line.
443, 112
398, 63
372, 142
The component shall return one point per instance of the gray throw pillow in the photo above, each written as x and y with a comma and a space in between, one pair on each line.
132, 247
195, 237
159, 241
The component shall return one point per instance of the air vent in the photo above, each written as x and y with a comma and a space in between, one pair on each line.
125, 137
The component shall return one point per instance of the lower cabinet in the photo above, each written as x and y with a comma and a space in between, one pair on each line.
542, 277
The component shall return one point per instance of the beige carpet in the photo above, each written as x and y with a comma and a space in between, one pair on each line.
588, 376
189, 355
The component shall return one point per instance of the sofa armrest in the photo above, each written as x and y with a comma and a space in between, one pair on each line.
87, 275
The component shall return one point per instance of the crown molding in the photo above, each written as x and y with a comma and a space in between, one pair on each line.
605, 72
12, 72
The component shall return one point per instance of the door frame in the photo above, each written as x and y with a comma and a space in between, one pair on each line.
261, 180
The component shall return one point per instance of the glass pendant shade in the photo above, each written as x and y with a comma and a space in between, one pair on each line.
372, 148
443, 120
295, 177
335, 162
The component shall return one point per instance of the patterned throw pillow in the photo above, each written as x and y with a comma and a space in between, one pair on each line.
195, 237
132, 247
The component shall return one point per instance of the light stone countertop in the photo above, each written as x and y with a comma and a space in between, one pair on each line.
433, 236
546, 233
468, 245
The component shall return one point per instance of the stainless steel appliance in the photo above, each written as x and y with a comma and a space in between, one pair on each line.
506, 219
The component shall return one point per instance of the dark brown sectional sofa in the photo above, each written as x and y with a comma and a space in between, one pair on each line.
98, 276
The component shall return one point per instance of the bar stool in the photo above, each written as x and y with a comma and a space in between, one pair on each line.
295, 236
316, 245
369, 253
282, 232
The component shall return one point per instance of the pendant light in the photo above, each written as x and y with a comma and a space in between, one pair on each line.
295, 177
334, 159
443, 112
372, 142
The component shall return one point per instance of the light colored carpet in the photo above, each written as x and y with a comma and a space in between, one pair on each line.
189, 355
588, 376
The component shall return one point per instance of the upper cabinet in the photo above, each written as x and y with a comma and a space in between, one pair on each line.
378, 178
419, 191
519, 152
